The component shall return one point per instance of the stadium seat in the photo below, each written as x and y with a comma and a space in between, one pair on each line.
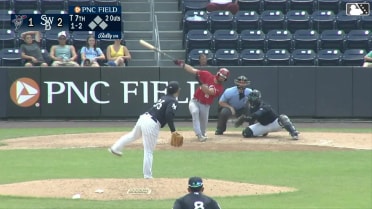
79, 39
358, 39
306, 39
252, 57
11, 57
52, 5
79, 3
346, 22
353, 57
225, 39
226, 57
193, 56
366, 22
198, 39
221, 20
303, 57
329, 57
5, 21
25, 4
6, 5
279, 39
195, 19
251, 5
252, 39
8, 39
323, 20
331, 5
271, 20
304, 5
297, 20
281, 5
186, 5
275, 57
106, 2
332, 39
247, 20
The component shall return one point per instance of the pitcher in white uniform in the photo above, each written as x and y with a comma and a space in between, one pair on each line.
148, 126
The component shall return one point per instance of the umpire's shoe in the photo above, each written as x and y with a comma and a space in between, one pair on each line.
218, 132
115, 152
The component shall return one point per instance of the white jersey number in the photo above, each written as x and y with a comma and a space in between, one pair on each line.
198, 205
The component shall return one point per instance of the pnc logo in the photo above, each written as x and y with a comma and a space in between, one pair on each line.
25, 92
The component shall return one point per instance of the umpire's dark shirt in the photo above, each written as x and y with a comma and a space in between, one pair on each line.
195, 200
263, 113
164, 111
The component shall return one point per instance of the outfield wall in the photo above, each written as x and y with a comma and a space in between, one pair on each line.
117, 93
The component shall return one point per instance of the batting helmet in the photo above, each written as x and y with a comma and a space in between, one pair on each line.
242, 81
223, 73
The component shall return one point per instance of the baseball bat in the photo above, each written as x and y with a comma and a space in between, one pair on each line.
152, 47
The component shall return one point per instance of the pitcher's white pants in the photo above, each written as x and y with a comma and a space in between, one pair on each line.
149, 130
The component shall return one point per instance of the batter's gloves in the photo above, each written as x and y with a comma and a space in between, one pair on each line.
176, 139
179, 62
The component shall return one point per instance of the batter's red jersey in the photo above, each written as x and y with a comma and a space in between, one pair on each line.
207, 78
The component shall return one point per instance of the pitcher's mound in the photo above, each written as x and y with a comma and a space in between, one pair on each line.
121, 189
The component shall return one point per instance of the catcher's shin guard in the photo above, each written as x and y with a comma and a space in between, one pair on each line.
286, 123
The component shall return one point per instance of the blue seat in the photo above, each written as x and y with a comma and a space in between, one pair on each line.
304, 5
332, 39
25, 4
225, 39
278, 57
5, 21
272, 20
303, 57
281, 5
6, 5
251, 5
346, 22
358, 39
226, 57
329, 57
297, 20
8, 39
221, 20
52, 5
279, 39
193, 56
252, 57
331, 5
353, 57
186, 5
195, 19
366, 22
252, 39
11, 57
306, 39
198, 39
247, 20
323, 20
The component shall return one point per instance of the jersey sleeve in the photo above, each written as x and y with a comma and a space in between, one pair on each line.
170, 113
177, 204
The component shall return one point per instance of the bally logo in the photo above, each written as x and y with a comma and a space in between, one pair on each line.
25, 92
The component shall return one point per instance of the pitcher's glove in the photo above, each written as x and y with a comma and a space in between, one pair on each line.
176, 139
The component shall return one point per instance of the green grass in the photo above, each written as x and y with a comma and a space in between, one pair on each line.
325, 179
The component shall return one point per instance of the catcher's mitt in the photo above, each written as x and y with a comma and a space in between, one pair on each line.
241, 119
176, 139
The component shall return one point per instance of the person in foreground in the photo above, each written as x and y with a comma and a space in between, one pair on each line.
210, 87
148, 126
195, 199
263, 119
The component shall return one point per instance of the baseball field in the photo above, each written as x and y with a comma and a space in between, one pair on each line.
66, 165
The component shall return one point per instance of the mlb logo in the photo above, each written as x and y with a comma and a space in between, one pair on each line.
357, 9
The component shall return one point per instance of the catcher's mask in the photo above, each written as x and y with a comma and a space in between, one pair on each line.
223, 73
172, 87
254, 98
241, 82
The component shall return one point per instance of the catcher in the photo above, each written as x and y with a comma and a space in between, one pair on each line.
263, 119
148, 126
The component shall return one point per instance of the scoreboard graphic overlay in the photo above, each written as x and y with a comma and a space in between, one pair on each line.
104, 21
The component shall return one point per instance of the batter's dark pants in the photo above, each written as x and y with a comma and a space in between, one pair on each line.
224, 115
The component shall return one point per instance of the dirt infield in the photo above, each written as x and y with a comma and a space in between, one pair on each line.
158, 188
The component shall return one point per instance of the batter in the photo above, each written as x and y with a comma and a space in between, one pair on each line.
148, 126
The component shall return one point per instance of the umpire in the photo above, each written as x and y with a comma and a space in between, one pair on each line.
195, 198
233, 103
